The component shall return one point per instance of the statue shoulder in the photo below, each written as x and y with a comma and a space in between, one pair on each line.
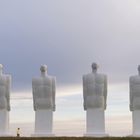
50, 78
5, 79
36, 80
43, 80
84, 76
87, 75
101, 76
8, 77
134, 79
53, 79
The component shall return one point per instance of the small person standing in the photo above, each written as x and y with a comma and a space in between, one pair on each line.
18, 132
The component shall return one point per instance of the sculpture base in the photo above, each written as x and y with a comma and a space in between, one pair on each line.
136, 123
134, 135
95, 122
43, 122
42, 135
96, 135
4, 122
5, 135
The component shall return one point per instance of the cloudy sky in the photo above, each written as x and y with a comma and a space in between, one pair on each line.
67, 36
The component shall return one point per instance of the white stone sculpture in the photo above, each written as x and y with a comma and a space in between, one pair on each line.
5, 84
44, 103
95, 96
134, 83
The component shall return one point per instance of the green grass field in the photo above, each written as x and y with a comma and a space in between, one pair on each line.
69, 138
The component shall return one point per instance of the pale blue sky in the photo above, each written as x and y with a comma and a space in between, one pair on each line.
68, 35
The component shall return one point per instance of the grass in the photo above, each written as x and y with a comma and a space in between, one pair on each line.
68, 138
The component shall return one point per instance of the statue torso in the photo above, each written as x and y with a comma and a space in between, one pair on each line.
3, 91
42, 90
94, 93
43, 87
135, 85
95, 84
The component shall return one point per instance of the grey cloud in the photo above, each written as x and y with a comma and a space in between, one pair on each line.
68, 35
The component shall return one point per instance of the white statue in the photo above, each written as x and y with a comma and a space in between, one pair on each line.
134, 82
95, 96
5, 84
44, 102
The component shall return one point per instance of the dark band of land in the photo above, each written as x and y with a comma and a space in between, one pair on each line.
69, 138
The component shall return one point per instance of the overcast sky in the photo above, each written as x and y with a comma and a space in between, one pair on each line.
67, 36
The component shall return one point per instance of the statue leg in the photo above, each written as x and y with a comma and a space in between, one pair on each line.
95, 123
136, 122
43, 123
4, 122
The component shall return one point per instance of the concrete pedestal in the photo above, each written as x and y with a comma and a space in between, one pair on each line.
4, 122
43, 123
95, 123
136, 123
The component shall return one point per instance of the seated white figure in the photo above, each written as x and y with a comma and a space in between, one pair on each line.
135, 91
5, 84
94, 89
44, 91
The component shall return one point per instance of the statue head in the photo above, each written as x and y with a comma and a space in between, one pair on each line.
94, 67
43, 69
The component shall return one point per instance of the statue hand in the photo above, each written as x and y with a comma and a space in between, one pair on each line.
131, 107
54, 107
105, 107
8, 108
85, 108
34, 108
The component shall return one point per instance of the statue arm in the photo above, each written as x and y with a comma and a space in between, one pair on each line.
131, 95
53, 92
105, 91
34, 96
84, 92
8, 87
